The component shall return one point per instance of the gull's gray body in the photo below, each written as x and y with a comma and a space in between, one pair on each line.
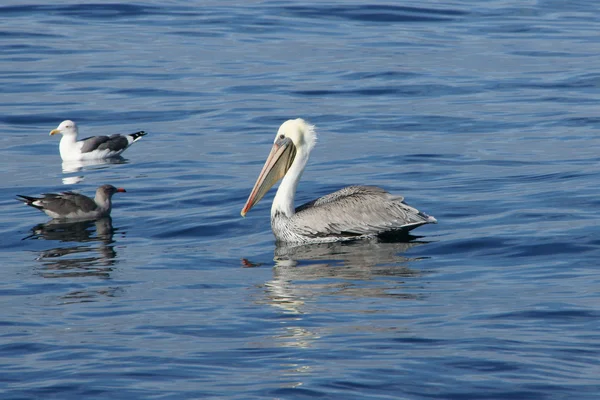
70, 205
114, 143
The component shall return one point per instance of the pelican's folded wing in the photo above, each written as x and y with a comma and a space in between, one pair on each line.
357, 211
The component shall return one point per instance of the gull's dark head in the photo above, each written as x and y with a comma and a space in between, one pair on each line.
107, 191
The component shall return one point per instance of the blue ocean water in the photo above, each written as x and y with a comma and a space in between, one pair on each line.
483, 114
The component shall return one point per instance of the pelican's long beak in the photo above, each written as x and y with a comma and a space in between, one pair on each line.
278, 163
54, 131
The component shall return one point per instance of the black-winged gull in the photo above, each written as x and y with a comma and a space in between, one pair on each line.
91, 148
69, 205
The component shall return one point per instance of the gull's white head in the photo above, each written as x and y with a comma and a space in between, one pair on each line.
67, 127
301, 133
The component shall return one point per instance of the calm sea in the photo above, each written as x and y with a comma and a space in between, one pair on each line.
484, 114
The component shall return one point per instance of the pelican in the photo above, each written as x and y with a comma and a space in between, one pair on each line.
350, 213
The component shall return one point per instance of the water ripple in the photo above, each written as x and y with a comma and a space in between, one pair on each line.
484, 115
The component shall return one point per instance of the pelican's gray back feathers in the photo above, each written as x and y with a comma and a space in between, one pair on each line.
354, 211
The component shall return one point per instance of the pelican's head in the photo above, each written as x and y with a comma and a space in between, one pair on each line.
67, 127
295, 138
301, 133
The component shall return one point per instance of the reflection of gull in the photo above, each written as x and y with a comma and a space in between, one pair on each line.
72, 180
78, 165
81, 260
78, 231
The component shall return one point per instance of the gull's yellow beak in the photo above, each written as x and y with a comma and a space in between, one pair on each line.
54, 131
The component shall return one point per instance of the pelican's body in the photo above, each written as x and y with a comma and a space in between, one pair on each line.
350, 213
91, 148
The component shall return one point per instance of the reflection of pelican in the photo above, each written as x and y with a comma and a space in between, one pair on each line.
357, 258
305, 271
64, 261
92, 147
350, 213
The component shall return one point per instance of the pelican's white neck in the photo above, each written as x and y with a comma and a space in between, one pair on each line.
286, 193
304, 137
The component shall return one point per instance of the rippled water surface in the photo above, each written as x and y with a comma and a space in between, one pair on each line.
483, 114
